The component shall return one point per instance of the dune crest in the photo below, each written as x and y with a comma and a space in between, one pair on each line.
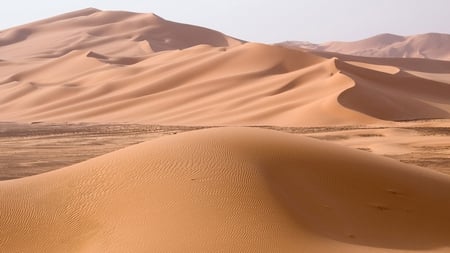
113, 33
114, 66
237, 189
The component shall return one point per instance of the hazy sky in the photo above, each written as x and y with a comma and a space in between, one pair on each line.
266, 20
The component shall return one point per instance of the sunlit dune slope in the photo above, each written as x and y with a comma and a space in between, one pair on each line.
115, 33
228, 189
103, 66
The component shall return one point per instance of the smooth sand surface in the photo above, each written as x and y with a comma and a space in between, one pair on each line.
130, 67
429, 46
229, 189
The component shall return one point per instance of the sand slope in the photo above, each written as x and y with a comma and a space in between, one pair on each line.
430, 46
115, 33
103, 66
229, 189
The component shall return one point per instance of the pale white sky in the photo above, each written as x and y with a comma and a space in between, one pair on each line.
266, 20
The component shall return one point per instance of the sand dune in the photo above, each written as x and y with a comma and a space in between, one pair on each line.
408, 97
114, 33
104, 66
121, 69
229, 189
248, 84
222, 189
430, 46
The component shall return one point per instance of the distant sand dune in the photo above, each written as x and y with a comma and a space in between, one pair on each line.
104, 66
114, 33
233, 189
429, 46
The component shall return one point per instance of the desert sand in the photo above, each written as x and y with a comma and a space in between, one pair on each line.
233, 189
194, 76
30, 149
126, 132
430, 46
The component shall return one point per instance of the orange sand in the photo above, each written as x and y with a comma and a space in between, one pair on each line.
229, 189
129, 67
223, 189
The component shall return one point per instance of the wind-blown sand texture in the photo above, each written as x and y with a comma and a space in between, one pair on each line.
30, 149
231, 189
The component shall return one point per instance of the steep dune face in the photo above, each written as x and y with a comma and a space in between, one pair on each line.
394, 96
429, 46
230, 189
127, 67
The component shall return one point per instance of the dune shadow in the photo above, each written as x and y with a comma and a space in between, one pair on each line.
168, 35
397, 97
14, 36
321, 199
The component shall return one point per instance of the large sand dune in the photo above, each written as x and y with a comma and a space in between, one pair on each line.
218, 189
231, 190
128, 67
115, 33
